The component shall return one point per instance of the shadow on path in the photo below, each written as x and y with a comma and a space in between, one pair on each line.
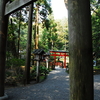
55, 87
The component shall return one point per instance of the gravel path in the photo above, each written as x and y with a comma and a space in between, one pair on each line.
55, 87
96, 87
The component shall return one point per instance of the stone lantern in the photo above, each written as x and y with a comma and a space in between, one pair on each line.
47, 56
38, 57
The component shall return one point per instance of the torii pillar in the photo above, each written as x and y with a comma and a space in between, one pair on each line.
3, 38
80, 48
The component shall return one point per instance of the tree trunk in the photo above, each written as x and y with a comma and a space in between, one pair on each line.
3, 38
80, 47
28, 55
12, 43
37, 28
66, 3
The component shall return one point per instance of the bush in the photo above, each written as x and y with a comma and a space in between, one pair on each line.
15, 62
42, 70
14, 72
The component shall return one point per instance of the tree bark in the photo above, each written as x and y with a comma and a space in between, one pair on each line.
66, 3
3, 39
37, 28
80, 47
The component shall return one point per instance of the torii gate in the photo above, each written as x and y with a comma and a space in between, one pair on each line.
6, 8
59, 53
81, 87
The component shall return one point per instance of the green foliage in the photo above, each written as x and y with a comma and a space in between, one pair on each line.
15, 62
96, 67
95, 18
16, 33
55, 35
14, 72
44, 10
43, 69
49, 35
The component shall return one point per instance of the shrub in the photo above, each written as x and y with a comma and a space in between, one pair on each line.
15, 62
42, 70
14, 72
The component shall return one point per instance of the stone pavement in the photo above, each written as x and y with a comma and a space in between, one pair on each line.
55, 87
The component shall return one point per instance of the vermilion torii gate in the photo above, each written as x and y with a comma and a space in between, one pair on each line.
59, 53
6, 8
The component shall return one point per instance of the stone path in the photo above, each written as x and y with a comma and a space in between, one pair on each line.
96, 87
55, 87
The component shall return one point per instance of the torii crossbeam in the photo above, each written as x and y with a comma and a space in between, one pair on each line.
16, 5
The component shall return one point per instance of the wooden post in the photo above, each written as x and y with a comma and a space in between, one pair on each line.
54, 60
3, 39
37, 71
28, 54
80, 48
64, 61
